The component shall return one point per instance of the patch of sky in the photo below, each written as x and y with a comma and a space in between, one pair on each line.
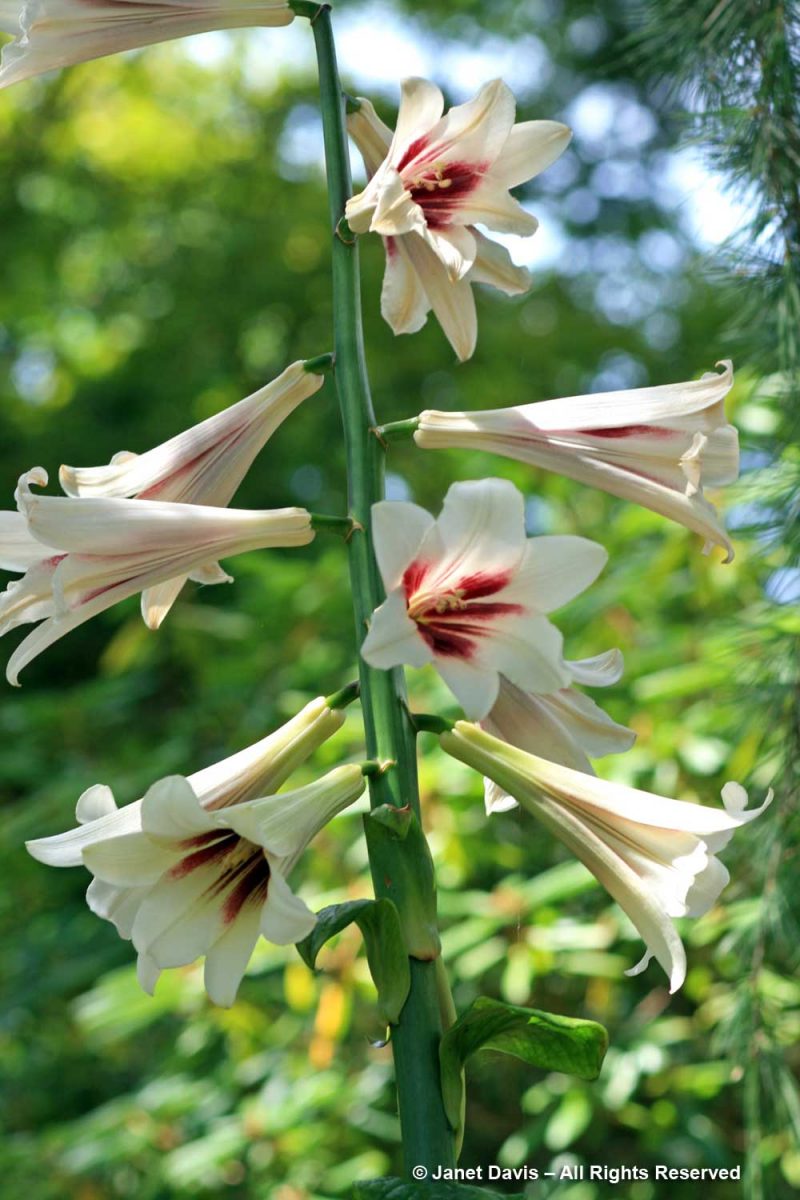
377, 47
783, 585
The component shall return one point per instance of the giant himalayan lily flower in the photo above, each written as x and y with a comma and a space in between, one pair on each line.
657, 446
203, 465
237, 901
565, 727
656, 857
109, 549
60, 33
430, 184
468, 592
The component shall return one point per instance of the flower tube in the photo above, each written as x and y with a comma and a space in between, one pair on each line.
107, 550
655, 856
203, 465
658, 446
60, 33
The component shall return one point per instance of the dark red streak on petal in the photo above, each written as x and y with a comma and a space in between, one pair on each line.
251, 888
416, 147
413, 576
218, 846
623, 431
445, 641
440, 203
481, 583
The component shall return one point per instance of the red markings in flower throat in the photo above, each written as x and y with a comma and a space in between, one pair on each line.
451, 613
439, 188
241, 869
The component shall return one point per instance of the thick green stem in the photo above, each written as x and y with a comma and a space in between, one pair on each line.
427, 1137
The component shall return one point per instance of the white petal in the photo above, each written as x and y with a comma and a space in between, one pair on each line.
393, 211
171, 811
116, 904
602, 670
180, 917
159, 599
132, 860
19, 549
96, 802
475, 687
455, 246
285, 919
555, 570
493, 265
591, 728
421, 106
226, 961
393, 638
147, 973
285, 824
527, 649
530, 148
491, 205
482, 528
66, 849
398, 530
474, 132
452, 303
370, 134
404, 305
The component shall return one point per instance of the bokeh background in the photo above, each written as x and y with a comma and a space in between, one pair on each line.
164, 253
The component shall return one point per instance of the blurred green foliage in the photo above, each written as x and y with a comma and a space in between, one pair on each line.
164, 250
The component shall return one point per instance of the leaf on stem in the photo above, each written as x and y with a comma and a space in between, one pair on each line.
387, 956
545, 1040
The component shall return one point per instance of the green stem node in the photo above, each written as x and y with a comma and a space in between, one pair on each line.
398, 431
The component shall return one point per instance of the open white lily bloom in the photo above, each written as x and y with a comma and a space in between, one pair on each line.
468, 592
186, 880
107, 550
565, 727
203, 465
658, 446
60, 33
655, 856
430, 183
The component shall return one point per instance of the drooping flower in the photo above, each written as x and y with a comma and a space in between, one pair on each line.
565, 727
60, 33
109, 549
655, 856
468, 592
658, 446
203, 465
200, 864
430, 183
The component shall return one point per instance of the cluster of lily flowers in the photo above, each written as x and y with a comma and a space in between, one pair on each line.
199, 865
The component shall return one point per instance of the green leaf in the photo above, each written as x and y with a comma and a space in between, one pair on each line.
402, 1189
545, 1040
387, 956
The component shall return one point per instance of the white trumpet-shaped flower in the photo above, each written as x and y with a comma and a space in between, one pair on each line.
60, 33
203, 465
655, 856
199, 865
658, 446
565, 727
430, 183
468, 592
108, 549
